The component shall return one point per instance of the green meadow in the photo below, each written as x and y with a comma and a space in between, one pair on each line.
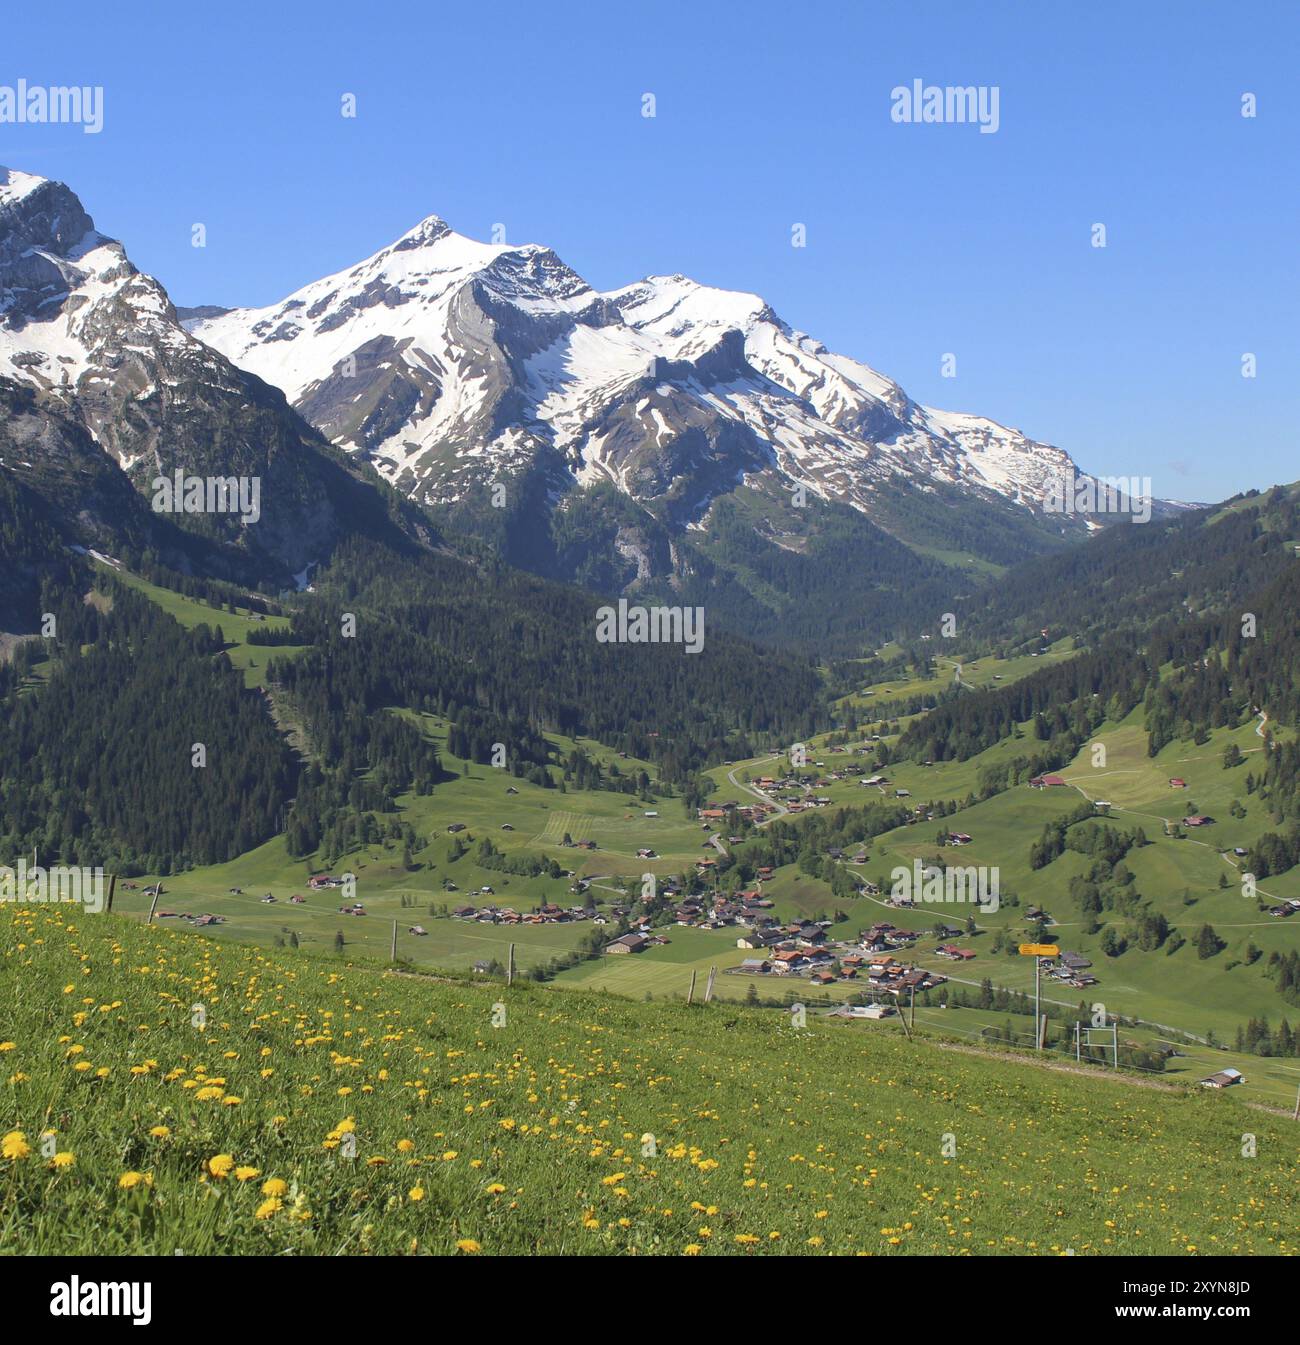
165, 1094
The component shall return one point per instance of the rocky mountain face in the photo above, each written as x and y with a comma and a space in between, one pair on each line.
451, 362
622, 439
99, 378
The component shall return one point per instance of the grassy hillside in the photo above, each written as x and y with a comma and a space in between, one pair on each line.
211, 1098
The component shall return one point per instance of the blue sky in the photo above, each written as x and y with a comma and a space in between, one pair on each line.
922, 240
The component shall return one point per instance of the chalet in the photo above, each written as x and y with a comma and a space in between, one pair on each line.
1046, 781
1225, 1078
757, 938
1281, 911
1177, 783
455, 827
1074, 962
1197, 820
788, 961
822, 978
903, 793
298, 900
951, 953
463, 912
483, 968
765, 871
651, 813
713, 814
755, 966
418, 930
958, 838
629, 943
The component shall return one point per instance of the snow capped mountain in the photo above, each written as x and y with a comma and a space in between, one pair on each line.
452, 363
94, 343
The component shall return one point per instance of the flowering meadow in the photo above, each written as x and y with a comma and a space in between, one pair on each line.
161, 1092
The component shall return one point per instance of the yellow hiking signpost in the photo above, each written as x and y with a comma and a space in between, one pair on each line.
1037, 950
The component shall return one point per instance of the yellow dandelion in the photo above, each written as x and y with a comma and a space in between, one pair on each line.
14, 1145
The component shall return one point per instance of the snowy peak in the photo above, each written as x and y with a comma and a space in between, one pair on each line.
95, 344
449, 361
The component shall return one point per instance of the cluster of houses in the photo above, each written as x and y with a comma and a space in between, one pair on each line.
806, 950
1285, 909
322, 880
1071, 969
549, 913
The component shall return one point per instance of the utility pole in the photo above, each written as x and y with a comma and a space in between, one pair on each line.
1038, 1021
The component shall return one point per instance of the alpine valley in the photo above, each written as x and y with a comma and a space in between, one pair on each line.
370, 722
